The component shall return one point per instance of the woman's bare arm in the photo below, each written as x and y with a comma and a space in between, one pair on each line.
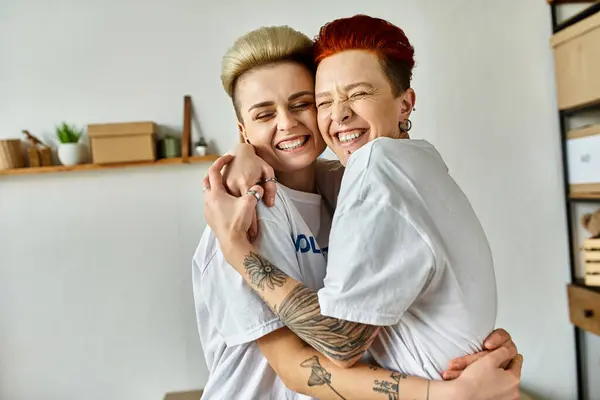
304, 370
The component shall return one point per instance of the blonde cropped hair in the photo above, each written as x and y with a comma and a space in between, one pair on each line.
263, 46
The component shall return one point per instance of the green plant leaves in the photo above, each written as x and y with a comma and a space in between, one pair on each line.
67, 133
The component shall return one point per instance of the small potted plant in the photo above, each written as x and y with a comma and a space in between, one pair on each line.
69, 150
200, 146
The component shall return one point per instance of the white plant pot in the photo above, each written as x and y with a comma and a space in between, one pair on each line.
70, 153
200, 150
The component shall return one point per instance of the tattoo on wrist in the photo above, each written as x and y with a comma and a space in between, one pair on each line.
373, 367
337, 339
391, 388
262, 273
319, 375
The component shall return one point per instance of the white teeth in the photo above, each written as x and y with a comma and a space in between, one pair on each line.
348, 136
290, 145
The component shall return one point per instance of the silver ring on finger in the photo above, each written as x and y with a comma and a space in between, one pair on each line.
205, 188
268, 180
254, 193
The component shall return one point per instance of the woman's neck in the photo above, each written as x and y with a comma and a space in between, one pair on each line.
302, 180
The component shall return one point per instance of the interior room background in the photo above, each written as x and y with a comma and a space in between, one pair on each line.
95, 267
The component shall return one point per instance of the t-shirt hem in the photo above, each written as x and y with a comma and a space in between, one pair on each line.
254, 334
355, 313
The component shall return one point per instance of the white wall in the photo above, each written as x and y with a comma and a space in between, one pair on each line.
94, 267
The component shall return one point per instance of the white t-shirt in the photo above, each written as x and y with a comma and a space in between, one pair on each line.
407, 252
292, 235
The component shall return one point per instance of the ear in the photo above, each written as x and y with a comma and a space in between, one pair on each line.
242, 132
405, 104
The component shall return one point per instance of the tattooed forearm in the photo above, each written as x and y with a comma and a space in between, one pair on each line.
392, 389
262, 272
319, 375
337, 339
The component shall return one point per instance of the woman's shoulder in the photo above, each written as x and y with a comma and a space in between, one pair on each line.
384, 170
402, 152
279, 212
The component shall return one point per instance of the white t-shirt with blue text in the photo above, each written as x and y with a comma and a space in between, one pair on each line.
293, 235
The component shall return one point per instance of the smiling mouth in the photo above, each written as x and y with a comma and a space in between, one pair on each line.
349, 137
293, 144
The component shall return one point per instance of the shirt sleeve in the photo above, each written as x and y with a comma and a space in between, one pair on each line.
378, 265
238, 312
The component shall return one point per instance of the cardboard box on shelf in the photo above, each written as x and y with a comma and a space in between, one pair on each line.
122, 142
189, 395
577, 62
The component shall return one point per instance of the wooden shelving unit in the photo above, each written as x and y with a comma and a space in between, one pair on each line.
98, 167
584, 301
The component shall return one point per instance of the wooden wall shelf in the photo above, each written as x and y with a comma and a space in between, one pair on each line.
585, 196
96, 167
586, 191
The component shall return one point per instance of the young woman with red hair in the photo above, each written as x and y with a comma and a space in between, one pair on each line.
410, 277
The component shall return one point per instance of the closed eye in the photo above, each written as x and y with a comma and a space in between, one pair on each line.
324, 104
358, 95
301, 106
264, 116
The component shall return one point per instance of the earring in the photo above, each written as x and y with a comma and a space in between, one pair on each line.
405, 127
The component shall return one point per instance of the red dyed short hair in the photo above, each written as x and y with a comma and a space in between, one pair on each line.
362, 32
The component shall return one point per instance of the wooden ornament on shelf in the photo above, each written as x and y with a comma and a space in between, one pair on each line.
591, 248
591, 259
10, 154
186, 136
39, 154
45, 156
33, 155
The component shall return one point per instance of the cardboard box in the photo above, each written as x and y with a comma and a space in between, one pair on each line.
122, 142
190, 395
577, 62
